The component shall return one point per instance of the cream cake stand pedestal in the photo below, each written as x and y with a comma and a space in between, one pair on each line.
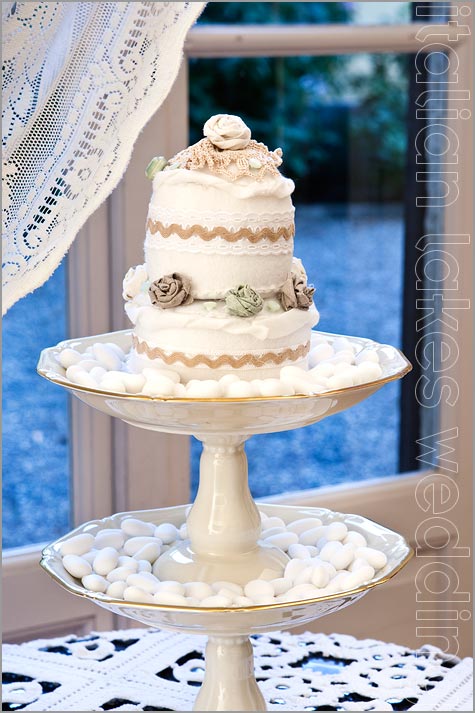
224, 524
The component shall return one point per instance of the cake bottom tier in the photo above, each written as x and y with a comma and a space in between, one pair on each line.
200, 345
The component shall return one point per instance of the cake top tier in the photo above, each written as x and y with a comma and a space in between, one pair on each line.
228, 151
221, 214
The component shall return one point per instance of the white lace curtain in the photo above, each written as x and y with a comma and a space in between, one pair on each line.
80, 81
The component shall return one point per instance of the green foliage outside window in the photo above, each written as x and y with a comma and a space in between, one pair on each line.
340, 119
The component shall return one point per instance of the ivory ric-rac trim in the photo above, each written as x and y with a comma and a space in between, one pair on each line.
276, 357
231, 236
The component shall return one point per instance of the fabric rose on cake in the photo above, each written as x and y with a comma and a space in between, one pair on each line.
243, 301
133, 281
227, 131
171, 291
296, 293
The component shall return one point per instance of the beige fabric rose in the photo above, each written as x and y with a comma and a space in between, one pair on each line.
133, 281
227, 131
171, 291
296, 293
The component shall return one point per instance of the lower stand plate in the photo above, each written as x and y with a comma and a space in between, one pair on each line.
241, 620
229, 683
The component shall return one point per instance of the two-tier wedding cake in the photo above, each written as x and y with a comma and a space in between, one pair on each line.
220, 291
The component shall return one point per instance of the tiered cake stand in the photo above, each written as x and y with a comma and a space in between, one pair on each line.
224, 523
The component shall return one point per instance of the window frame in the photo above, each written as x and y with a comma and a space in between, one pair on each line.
110, 459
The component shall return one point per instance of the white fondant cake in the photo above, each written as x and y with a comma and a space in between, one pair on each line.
220, 291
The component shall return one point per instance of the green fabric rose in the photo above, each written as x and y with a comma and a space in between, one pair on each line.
243, 301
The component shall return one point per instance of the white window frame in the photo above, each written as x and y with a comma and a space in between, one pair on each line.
116, 467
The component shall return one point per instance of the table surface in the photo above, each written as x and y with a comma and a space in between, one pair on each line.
150, 670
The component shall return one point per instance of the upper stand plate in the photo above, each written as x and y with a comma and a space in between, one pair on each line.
216, 416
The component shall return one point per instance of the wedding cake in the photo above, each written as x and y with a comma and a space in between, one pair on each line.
220, 291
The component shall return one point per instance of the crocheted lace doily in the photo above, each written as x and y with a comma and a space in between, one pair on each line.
140, 670
232, 164
80, 81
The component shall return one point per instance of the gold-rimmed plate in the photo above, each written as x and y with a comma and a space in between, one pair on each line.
254, 619
194, 416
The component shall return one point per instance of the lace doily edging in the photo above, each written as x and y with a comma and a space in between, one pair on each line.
400, 674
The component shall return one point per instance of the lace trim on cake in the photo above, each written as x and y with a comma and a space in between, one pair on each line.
274, 357
217, 246
207, 234
229, 163
230, 220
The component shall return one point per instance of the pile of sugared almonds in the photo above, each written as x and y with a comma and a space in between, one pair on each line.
122, 563
333, 364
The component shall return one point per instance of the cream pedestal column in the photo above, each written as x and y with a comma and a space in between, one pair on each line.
224, 524
229, 682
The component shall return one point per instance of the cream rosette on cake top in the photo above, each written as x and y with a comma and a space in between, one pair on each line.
226, 131
221, 214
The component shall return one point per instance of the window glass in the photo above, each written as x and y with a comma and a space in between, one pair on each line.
306, 12
341, 122
35, 421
